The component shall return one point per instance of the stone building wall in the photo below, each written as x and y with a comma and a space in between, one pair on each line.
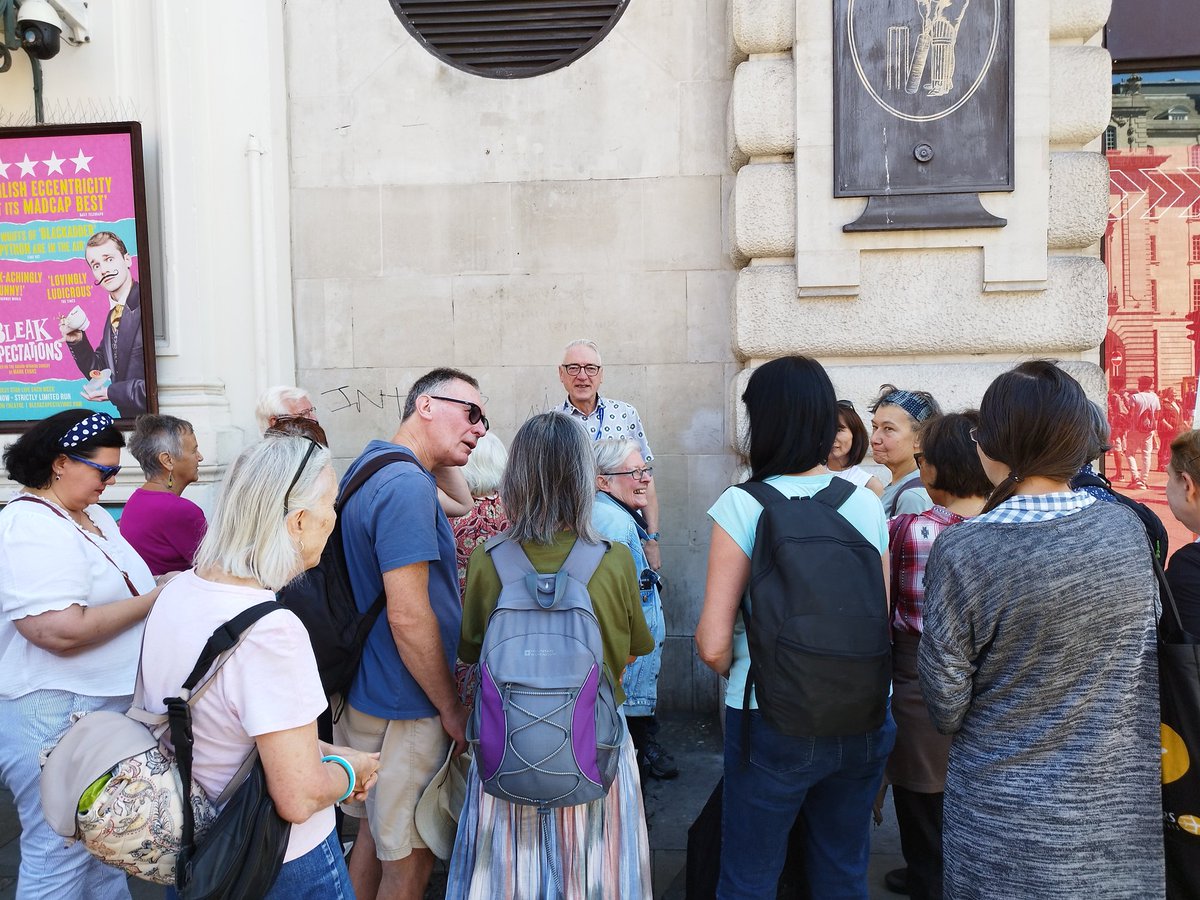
939, 310
439, 218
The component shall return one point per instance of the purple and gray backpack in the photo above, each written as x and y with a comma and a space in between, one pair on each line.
545, 724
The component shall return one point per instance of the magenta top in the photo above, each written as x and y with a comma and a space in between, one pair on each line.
164, 529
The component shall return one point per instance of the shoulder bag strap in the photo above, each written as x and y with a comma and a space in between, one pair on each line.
179, 711
133, 591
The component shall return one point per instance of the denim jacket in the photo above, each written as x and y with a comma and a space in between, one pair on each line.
641, 676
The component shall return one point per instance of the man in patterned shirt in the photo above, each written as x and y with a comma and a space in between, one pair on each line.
582, 373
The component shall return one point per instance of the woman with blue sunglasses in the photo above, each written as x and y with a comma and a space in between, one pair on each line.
74, 595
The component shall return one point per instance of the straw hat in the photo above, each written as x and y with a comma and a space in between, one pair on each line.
441, 803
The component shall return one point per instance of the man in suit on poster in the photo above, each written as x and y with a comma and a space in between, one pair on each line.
120, 348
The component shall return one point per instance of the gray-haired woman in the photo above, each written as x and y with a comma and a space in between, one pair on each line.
159, 524
548, 489
271, 521
622, 491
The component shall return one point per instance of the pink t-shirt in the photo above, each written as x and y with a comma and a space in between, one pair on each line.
270, 683
164, 529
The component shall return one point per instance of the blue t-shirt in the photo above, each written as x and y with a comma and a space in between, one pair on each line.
737, 513
395, 520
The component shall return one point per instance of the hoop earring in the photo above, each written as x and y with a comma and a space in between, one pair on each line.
57, 477
301, 545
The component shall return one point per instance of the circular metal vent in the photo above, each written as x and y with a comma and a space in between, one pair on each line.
508, 38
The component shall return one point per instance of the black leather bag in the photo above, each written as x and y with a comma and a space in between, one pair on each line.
240, 854
242, 851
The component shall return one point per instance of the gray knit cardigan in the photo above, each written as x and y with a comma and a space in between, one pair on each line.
1038, 655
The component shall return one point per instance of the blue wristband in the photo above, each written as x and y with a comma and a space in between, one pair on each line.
349, 774
652, 536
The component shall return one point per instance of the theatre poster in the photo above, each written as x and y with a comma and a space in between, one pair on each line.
75, 293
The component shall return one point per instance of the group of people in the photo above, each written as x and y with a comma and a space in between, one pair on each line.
1142, 425
1022, 613
1024, 694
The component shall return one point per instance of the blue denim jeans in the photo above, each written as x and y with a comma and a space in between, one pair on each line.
830, 781
320, 874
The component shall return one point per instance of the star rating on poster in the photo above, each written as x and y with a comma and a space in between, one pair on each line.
54, 165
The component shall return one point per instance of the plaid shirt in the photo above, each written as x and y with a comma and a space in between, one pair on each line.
1036, 508
910, 551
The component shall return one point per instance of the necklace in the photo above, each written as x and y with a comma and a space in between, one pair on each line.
82, 519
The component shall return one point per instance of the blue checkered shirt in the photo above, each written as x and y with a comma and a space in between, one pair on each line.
1035, 508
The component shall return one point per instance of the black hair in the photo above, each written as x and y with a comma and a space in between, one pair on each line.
946, 444
30, 458
859, 441
1034, 419
793, 416
433, 381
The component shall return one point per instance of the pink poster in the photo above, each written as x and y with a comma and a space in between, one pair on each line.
75, 311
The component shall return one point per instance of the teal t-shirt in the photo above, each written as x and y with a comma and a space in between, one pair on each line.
737, 513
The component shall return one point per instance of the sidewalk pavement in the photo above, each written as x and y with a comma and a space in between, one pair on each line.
671, 806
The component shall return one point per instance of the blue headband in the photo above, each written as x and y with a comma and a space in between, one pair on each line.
915, 406
85, 430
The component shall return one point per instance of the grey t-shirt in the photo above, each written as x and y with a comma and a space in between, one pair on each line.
906, 495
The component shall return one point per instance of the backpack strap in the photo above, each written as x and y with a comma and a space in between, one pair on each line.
838, 492
509, 559
583, 560
360, 478
897, 531
910, 485
764, 493
370, 468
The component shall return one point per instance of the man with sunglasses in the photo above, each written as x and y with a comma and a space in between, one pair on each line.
403, 703
581, 374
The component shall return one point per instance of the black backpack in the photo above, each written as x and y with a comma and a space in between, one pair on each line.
323, 599
1156, 532
816, 617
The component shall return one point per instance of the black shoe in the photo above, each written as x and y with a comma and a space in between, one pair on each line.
896, 881
657, 762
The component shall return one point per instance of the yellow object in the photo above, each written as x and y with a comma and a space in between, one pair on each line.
1175, 760
1190, 824
88, 797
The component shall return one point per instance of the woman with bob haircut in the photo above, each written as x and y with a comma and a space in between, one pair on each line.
162, 526
548, 490
271, 521
830, 781
1038, 655
896, 416
850, 449
73, 594
622, 493
958, 486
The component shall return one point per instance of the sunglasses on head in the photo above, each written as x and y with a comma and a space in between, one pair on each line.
312, 446
474, 413
106, 472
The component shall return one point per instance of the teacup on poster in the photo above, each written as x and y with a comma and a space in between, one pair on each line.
77, 320
99, 381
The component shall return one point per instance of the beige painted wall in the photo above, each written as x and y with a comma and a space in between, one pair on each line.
439, 218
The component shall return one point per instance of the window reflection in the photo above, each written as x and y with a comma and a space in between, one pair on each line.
1152, 250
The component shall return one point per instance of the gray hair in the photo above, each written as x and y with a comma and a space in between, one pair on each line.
432, 383
1098, 441
485, 467
584, 342
247, 533
611, 452
550, 482
271, 403
154, 435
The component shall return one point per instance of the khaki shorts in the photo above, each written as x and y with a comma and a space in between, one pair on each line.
410, 753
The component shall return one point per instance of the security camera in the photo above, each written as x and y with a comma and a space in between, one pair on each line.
40, 24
